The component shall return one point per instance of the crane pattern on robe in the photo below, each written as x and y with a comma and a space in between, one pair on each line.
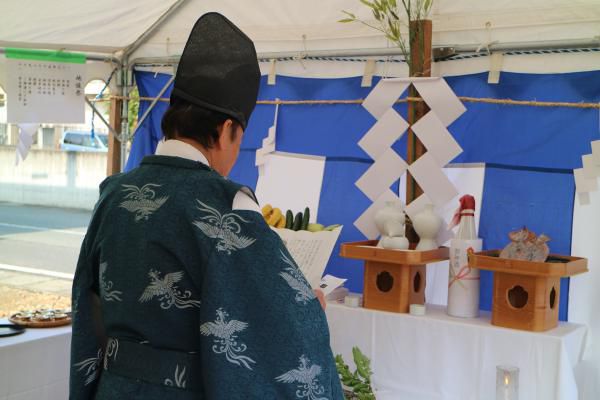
106, 286
179, 381
225, 228
226, 338
142, 201
305, 377
296, 280
167, 291
90, 367
112, 348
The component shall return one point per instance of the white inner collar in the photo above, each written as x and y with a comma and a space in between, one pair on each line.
177, 148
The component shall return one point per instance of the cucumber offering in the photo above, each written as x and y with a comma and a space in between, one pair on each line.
305, 219
289, 219
297, 222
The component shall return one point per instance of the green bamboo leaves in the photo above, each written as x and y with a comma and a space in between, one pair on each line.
359, 381
387, 15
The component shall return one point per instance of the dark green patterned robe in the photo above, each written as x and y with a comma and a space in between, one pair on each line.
177, 296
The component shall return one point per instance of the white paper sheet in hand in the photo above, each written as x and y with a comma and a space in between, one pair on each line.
378, 178
329, 283
390, 127
310, 250
432, 180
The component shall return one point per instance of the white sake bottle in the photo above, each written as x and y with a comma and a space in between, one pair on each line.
463, 282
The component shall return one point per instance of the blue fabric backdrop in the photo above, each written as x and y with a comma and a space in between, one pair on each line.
529, 151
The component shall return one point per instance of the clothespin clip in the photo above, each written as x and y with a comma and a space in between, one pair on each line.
496, 61
367, 80
272, 78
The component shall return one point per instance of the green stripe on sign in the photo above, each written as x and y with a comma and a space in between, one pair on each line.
45, 55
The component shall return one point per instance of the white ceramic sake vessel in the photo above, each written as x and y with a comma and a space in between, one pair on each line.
427, 224
390, 223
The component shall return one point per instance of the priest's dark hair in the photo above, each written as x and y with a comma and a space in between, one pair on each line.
184, 119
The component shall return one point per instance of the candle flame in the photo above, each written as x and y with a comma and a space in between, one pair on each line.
506, 380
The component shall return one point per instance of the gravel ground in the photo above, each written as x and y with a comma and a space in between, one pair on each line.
13, 300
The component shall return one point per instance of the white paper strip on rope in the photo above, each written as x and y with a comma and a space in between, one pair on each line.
26, 133
590, 168
432, 180
583, 183
389, 128
586, 178
45, 92
268, 143
596, 151
440, 98
384, 95
379, 177
366, 222
436, 138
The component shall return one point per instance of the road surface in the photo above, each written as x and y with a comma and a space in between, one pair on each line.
41, 238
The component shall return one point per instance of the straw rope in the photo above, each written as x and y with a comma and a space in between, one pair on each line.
510, 102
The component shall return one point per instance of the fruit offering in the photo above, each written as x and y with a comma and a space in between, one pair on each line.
299, 222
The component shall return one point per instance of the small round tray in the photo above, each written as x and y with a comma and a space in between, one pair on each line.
10, 330
40, 323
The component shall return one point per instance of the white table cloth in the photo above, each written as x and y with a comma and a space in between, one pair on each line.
437, 357
35, 364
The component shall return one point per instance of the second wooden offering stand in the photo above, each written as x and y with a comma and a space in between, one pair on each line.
527, 293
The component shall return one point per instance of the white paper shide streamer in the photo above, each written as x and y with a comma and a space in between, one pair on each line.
26, 133
388, 166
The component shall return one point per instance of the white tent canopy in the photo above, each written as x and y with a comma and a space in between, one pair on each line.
111, 26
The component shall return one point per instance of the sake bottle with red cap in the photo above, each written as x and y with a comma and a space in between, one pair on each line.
463, 282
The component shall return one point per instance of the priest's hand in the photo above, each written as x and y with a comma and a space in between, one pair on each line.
321, 296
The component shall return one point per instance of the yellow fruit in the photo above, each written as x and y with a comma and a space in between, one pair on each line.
267, 210
275, 217
281, 223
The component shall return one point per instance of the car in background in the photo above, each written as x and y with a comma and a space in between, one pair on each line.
83, 141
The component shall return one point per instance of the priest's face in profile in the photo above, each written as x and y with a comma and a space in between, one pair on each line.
227, 147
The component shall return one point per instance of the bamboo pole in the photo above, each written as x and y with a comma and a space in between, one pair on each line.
420, 34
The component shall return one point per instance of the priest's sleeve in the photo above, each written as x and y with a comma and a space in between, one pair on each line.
88, 339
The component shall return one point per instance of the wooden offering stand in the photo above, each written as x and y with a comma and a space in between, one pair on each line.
527, 293
394, 279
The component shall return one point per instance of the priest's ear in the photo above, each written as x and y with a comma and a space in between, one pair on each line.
230, 134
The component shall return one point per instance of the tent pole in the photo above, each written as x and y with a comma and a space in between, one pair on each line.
113, 161
95, 110
157, 24
125, 70
90, 57
384, 52
154, 103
